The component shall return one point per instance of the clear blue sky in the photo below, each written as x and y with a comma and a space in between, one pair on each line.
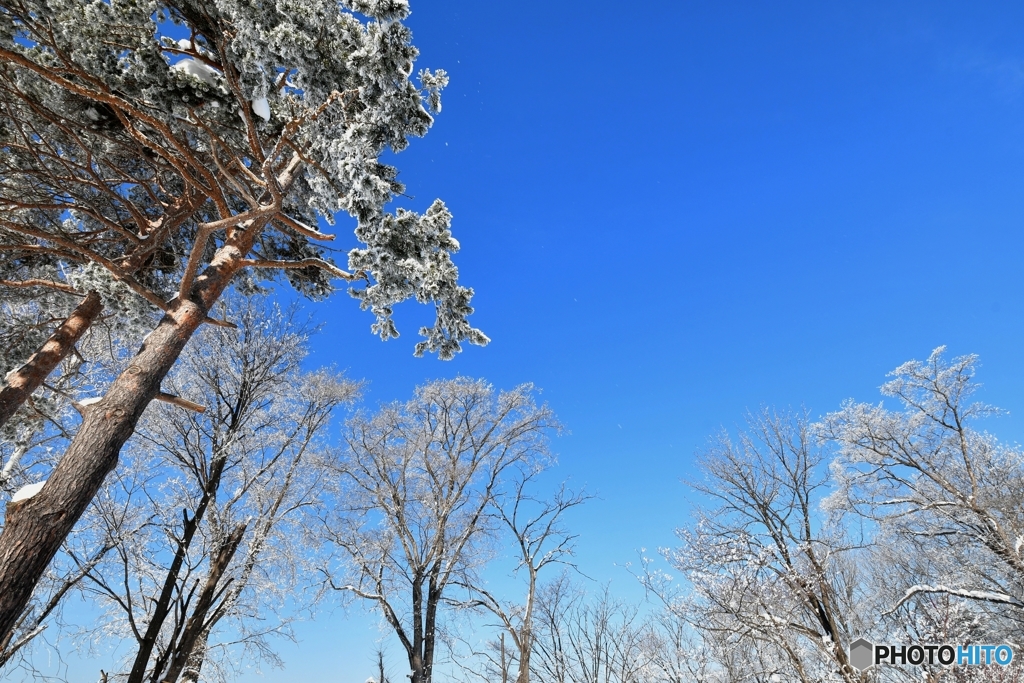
674, 214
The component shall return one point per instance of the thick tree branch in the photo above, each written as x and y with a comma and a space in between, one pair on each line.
26, 379
305, 263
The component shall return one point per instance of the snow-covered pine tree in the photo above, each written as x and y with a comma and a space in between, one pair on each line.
168, 146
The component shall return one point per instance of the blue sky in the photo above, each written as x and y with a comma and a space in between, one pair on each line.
675, 213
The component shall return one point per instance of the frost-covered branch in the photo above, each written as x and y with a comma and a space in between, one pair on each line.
983, 596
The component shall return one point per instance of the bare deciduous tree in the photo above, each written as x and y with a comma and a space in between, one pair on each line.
948, 492
540, 540
226, 488
584, 639
417, 483
769, 573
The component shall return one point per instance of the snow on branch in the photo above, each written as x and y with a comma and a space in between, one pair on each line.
983, 596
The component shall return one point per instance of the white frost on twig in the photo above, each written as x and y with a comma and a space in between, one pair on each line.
89, 401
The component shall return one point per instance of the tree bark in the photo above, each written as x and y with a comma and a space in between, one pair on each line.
526, 643
31, 375
26, 379
504, 667
430, 624
197, 624
416, 665
36, 527
35, 626
163, 604
195, 662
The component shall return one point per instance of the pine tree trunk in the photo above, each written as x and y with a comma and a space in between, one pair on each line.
26, 379
36, 527
30, 376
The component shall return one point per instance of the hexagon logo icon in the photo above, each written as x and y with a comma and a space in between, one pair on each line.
861, 654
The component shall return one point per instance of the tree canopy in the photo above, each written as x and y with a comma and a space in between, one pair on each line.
138, 137
157, 152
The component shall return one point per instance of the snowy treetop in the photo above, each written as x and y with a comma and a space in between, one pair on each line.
138, 135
